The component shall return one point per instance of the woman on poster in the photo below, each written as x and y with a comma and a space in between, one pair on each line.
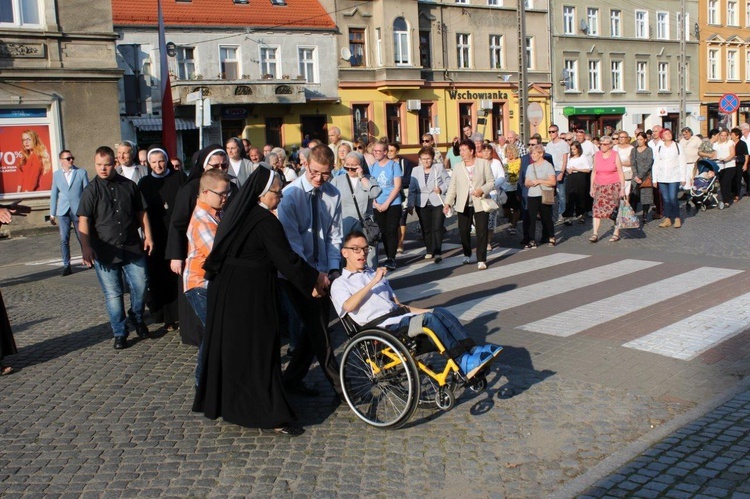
36, 168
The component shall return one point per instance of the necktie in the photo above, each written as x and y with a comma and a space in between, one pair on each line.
315, 224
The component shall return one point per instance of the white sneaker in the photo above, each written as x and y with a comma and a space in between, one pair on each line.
428, 256
482, 266
466, 260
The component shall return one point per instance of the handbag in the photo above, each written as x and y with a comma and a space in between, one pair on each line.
646, 182
626, 218
488, 204
627, 172
369, 227
548, 193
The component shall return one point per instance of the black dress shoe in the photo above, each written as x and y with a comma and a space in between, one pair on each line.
121, 343
300, 388
142, 331
67, 270
289, 431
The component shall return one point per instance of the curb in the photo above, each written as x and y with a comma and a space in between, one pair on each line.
611, 464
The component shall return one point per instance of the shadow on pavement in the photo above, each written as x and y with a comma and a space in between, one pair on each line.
53, 348
29, 278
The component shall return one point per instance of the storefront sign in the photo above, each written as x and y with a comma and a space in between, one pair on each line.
26, 161
467, 95
575, 111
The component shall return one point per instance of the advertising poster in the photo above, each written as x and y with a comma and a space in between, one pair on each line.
26, 161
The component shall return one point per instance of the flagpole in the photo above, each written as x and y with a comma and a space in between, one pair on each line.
168, 131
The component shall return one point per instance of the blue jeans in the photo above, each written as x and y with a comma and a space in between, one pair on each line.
63, 222
560, 198
446, 327
110, 278
198, 299
668, 192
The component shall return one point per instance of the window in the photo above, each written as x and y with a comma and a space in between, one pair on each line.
747, 13
663, 70
361, 121
401, 42
20, 13
393, 117
714, 69
425, 49
732, 17
462, 1
571, 74
686, 27
379, 46
747, 64
269, 62
306, 57
713, 12
530, 53
493, 3
732, 65
425, 118
529, 4
185, 63
592, 16
686, 77
496, 51
569, 20
463, 51
465, 115
614, 23
662, 26
641, 76
616, 71
230, 65
595, 77
357, 47
641, 24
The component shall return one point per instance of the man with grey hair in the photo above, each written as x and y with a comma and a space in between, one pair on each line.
745, 127
513, 140
335, 140
126, 164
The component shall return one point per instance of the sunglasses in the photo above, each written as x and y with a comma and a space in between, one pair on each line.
360, 148
350, 169
223, 166
71, 158
552, 131
426, 140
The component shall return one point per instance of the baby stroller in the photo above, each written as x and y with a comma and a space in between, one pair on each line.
705, 186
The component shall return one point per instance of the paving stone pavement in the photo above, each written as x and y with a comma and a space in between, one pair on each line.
80, 419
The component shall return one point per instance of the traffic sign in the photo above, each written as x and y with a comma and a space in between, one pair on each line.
193, 97
729, 103
534, 113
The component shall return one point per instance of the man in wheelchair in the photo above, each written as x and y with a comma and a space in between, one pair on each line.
365, 295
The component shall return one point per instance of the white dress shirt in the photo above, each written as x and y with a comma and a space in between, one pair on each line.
376, 304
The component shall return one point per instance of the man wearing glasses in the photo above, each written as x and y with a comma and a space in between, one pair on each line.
559, 150
68, 184
310, 212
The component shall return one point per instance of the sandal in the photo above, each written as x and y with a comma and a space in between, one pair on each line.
531, 245
594, 238
6, 370
614, 238
551, 242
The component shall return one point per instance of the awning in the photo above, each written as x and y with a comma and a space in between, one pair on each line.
154, 124
574, 111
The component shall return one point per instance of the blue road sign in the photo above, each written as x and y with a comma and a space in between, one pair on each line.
729, 103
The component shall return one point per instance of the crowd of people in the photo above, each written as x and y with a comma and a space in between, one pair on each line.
250, 242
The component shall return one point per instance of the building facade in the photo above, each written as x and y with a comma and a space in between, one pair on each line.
724, 31
620, 65
58, 90
266, 70
411, 67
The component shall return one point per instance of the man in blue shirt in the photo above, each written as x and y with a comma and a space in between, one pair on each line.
68, 184
310, 212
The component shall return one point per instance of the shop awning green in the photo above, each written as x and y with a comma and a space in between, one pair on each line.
575, 111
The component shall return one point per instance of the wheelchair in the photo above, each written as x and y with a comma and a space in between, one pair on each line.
386, 375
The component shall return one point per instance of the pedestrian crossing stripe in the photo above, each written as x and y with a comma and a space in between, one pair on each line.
599, 312
427, 266
698, 333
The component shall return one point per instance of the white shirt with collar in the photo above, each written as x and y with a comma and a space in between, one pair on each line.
588, 150
376, 304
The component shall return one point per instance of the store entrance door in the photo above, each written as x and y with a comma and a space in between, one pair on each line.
671, 122
595, 125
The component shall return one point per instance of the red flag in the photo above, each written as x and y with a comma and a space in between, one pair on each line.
168, 131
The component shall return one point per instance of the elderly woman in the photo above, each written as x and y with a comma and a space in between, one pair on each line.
427, 185
471, 182
540, 175
607, 186
669, 173
358, 190
486, 152
159, 189
642, 160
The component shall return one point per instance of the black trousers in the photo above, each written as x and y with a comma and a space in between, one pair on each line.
726, 179
746, 176
535, 207
432, 220
481, 220
388, 222
314, 341
576, 193
737, 183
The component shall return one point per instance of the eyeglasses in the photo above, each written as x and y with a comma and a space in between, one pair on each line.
70, 158
223, 166
426, 140
568, 140
223, 195
350, 169
359, 148
322, 175
357, 250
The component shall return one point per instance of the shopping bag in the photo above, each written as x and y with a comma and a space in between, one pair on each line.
626, 218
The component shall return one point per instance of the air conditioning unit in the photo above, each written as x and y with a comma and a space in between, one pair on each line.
413, 105
485, 104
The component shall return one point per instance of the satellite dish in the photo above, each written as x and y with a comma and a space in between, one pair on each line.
346, 54
584, 26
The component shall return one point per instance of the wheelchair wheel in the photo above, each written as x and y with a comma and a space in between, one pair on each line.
479, 385
445, 399
379, 379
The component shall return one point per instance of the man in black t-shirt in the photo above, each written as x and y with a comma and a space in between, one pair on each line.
110, 212
741, 164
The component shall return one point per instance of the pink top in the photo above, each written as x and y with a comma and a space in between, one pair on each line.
606, 169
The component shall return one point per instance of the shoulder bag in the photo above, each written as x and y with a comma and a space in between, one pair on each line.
369, 226
484, 204
548, 193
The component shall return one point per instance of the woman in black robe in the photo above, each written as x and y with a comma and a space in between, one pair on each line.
191, 330
241, 372
159, 189
7, 343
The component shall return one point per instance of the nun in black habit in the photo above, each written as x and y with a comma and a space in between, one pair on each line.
160, 189
241, 372
207, 158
